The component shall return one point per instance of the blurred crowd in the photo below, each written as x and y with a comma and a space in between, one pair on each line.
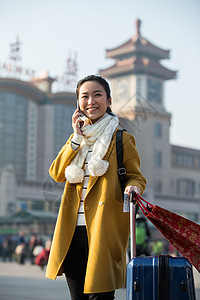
35, 249
21, 248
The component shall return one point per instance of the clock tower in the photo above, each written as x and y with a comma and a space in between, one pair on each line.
137, 70
137, 80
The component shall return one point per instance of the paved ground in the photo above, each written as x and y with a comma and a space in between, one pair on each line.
27, 282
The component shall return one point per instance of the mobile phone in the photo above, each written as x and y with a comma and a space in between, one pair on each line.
80, 123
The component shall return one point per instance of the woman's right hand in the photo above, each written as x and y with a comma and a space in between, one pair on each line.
76, 121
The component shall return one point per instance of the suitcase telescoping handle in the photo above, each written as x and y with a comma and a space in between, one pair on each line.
132, 225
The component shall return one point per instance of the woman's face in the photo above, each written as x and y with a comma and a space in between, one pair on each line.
93, 101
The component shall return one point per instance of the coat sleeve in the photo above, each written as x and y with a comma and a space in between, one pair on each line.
63, 159
132, 163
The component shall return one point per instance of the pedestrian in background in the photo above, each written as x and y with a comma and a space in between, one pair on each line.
157, 247
7, 249
42, 258
20, 250
142, 235
33, 242
92, 231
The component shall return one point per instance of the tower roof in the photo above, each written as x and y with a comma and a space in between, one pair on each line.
138, 65
137, 45
138, 56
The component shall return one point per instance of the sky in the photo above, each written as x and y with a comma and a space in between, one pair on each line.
50, 30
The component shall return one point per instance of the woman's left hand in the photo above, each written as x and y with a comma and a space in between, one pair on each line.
129, 189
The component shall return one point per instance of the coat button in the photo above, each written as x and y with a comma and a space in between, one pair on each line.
87, 208
101, 203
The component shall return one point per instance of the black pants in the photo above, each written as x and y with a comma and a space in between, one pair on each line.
75, 267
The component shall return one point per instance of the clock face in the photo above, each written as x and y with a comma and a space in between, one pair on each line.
154, 91
122, 89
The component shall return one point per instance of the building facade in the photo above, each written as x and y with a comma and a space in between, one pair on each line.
138, 81
34, 125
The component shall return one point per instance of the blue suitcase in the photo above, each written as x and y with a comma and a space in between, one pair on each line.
160, 278
157, 278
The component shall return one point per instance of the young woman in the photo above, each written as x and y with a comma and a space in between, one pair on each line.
92, 231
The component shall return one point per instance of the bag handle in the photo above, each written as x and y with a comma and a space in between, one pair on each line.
144, 208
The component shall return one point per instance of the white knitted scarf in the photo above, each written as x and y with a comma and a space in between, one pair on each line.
98, 134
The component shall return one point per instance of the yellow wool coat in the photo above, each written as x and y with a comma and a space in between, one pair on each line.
106, 223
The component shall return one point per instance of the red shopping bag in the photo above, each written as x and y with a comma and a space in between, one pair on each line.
180, 232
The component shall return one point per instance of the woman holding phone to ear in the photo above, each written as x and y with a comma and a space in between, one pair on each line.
92, 231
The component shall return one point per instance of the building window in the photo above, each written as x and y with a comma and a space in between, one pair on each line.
185, 187
158, 130
186, 160
37, 205
154, 91
158, 158
13, 132
138, 85
158, 187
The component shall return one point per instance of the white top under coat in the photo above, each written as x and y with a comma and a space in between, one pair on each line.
77, 139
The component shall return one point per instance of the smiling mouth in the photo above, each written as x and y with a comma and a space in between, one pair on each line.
92, 108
